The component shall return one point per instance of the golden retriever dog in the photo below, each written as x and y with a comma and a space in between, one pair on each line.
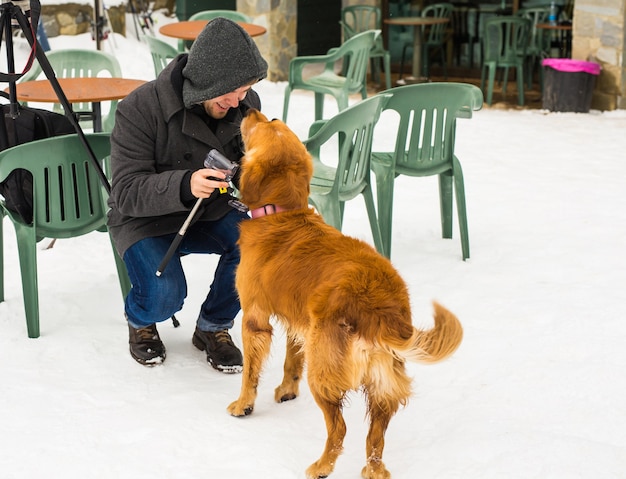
344, 307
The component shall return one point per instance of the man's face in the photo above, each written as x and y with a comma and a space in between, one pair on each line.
218, 107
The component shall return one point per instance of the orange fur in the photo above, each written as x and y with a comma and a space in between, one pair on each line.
345, 308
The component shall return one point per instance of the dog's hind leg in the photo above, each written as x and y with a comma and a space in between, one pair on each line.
256, 333
336, 429
294, 364
390, 388
329, 379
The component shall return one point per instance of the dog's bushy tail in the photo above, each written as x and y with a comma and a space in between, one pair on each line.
437, 343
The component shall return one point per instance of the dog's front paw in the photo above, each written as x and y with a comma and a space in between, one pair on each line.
282, 393
238, 409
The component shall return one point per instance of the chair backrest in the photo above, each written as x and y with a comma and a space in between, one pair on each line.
161, 51
233, 15
427, 113
505, 39
355, 51
464, 21
359, 18
352, 129
67, 192
436, 33
538, 41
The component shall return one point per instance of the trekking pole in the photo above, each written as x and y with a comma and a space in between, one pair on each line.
215, 160
179, 237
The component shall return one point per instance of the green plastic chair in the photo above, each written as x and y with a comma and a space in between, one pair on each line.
354, 52
538, 42
350, 132
161, 51
233, 15
68, 201
505, 40
424, 146
359, 18
70, 63
434, 38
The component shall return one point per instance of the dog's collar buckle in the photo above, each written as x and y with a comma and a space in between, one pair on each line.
266, 210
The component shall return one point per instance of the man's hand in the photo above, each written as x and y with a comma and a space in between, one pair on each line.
205, 181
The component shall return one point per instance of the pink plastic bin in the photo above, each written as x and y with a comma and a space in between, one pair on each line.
568, 84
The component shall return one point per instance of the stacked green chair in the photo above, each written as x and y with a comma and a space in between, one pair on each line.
425, 146
354, 53
464, 25
68, 201
233, 15
161, 51
350, 132
538, 41
505, 40
359, 18
71, 63
434, 39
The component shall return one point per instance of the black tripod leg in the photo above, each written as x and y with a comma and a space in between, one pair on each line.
67, 107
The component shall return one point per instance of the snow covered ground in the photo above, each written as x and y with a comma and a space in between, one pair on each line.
536, 390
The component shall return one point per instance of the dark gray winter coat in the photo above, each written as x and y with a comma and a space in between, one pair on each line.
154, 144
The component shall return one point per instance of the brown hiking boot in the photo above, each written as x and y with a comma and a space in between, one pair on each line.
220, 350
145, 345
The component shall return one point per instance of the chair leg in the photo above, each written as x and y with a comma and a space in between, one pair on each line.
459, 188
406, 45
375, 69
445, 204
444, 63
286, 103
387, 65
27, 250
371, 213
319, 106
491, 81
505, 80
520, 85
384, 193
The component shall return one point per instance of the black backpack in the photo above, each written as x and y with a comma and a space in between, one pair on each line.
31, 124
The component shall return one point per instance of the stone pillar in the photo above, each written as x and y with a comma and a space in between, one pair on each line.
598, 36
278, 46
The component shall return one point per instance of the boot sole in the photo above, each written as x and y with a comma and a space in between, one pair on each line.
199, 344
148, 362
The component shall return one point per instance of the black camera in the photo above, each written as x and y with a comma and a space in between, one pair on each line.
216, 161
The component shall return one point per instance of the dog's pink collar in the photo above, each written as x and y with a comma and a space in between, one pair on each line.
266, 210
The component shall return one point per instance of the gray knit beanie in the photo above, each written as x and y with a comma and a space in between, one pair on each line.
222, 59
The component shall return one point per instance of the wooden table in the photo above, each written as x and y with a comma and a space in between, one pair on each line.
417, 23
77, 90
564, 32
190, 29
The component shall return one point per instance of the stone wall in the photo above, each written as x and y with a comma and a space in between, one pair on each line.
598, 35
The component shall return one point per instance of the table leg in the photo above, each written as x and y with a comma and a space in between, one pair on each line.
97, 116
417, 52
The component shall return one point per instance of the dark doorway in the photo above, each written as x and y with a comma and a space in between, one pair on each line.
318, 26
186, 8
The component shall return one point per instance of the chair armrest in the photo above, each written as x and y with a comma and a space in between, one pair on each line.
297, 64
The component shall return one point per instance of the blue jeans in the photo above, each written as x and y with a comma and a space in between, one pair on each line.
156, 298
